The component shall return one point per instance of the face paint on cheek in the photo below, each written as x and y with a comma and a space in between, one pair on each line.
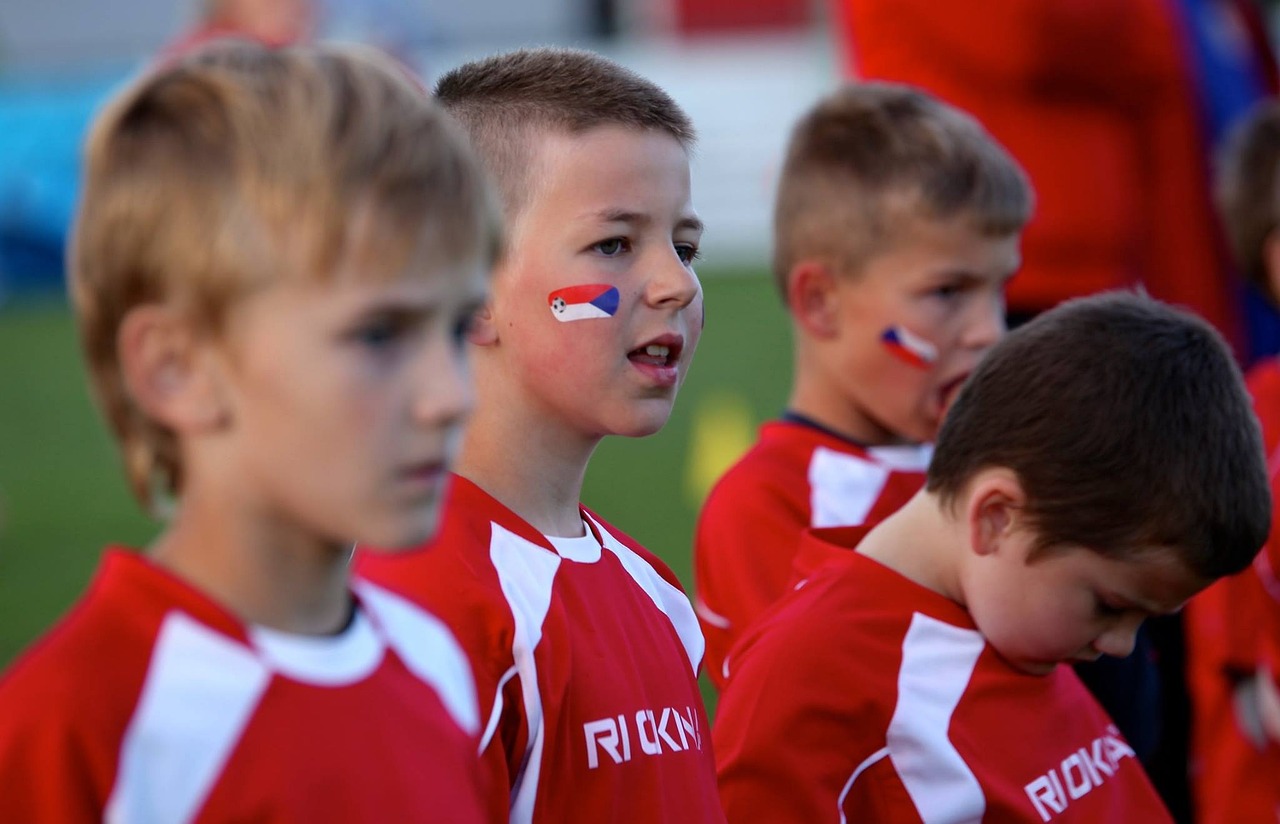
909, 348
590, 300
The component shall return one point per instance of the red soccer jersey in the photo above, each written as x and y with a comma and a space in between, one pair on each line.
795, 477
1234, 779
867, 697
586, 653
1253, 788
151, 703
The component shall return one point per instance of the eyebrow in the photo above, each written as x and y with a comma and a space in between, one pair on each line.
642, 219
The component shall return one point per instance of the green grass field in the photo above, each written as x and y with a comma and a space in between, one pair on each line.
63, 497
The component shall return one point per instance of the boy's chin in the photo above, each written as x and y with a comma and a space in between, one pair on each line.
407, 535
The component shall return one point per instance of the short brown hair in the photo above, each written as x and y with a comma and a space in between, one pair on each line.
505, 100
238, 166
1247, 192
1129, 426
870, 154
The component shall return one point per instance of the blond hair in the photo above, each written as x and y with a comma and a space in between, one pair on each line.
871, 155
507, 100
240, 166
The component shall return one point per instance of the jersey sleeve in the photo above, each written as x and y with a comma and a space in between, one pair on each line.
791, 731
744, 547
48, 769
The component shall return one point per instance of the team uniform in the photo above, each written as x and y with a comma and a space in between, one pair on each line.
151, 703
586, 653
798, 475
1235, 779
867, 697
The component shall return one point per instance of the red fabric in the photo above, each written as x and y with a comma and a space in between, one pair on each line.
865, 697
587, 667
745, 544
381, 747
1233, 779
1236, 780
1094, 98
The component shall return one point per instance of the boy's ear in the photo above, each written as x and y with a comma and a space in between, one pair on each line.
993, 507
483, 330
811, 295
168, 372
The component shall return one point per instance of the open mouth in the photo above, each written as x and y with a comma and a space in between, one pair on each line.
662, 353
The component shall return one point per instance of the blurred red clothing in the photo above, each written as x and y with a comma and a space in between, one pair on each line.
1095, 99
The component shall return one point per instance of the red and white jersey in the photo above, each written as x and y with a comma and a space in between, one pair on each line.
864, 696
151, 703
586, 653
796, 476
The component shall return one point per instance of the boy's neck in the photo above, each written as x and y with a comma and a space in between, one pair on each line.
534, 469
265, 574
813, 399
923, 543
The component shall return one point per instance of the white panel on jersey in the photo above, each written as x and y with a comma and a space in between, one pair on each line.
428, 648
201, 689
844, 487
937, 662
526, 572
906, 458
323, 660
670, 600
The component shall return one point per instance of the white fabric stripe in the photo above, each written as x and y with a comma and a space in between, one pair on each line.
937, 663
200, 692
429, 650
842, 487
526, 573
867, 762
668, 599
907, 458
496, 714
709, 615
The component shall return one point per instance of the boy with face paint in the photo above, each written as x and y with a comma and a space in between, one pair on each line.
896, 228
585, 648
1101, 465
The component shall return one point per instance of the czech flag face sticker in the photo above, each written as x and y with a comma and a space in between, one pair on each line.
910, 348
591, 300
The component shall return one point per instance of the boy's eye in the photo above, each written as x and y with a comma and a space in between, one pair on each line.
377, 335
688, 253
612, 247
947, 290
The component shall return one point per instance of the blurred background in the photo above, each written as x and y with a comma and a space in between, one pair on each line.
1115, 107
743, 71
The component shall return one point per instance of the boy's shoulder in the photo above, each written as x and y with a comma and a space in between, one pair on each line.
80, 682
819, 477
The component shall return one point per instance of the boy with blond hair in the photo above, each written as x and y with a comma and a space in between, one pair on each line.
896, 228
1101, 465
1234, 767
274, 261
586, 649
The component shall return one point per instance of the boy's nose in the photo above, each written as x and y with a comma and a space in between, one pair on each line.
986, 325
443, 391
673, 283
1119, 639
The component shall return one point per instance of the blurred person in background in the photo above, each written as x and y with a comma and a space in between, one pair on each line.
270, 22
